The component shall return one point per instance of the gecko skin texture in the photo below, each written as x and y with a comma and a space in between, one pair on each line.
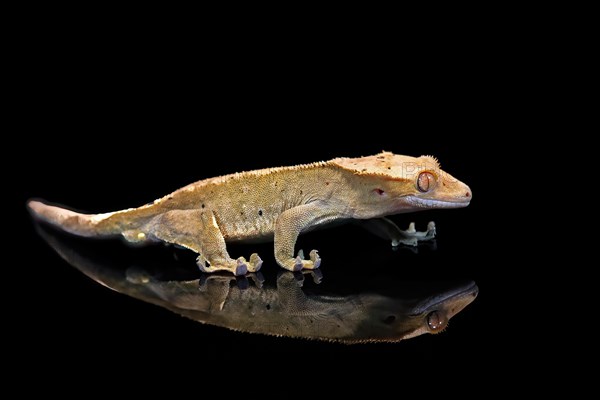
277, 204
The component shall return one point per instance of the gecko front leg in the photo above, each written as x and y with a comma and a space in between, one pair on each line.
287, 228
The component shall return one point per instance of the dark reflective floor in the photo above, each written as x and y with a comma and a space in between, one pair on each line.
379, 308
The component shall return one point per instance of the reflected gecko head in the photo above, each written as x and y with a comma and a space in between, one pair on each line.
426, 315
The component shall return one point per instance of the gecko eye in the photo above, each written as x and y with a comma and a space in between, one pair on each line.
436, 322
425, 181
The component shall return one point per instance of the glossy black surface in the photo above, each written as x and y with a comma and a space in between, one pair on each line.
104, 117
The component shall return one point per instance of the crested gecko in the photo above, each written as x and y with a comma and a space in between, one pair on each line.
277, 204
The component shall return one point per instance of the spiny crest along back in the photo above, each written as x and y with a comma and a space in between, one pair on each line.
388, 164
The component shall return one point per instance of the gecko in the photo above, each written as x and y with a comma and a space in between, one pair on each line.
277, 204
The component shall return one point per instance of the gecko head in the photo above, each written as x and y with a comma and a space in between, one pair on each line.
404, 184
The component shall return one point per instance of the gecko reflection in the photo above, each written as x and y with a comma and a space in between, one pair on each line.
287, 307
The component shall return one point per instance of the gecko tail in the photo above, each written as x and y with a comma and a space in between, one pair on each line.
88, 225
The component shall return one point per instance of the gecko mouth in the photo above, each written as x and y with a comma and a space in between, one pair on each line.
431, 203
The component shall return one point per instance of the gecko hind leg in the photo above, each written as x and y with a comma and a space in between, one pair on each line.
199, 231
386, 229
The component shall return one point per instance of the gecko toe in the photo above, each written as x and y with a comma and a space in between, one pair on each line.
255, 263
298, 263
317, 276
314, 257
431, 230
241, 269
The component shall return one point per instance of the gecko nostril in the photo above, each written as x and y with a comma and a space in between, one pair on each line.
468, 194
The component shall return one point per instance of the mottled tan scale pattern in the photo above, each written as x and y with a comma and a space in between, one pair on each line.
247, 205
274, 204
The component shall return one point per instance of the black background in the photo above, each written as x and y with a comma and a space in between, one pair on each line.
106, 129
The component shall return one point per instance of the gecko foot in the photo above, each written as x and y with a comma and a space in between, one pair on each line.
237, 267
300, 263
411, 237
